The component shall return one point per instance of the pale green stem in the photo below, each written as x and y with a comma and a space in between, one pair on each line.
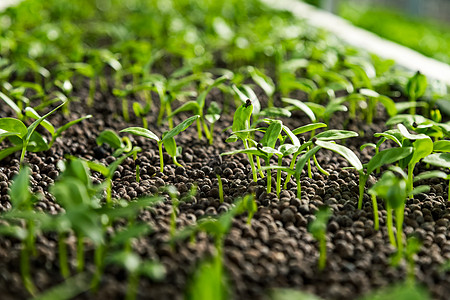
252, 163
362, 183
161, 157
280, 161
320, 167
25, 271
258, 165
389, 225
399, 216
133, 284
169, 112
299, 188
291, 166
63, 262
376, 222
269, 177
322, 253
219, 181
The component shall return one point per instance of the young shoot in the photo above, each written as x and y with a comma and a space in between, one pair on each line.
22, 137
167, 139
415, 88
318, 229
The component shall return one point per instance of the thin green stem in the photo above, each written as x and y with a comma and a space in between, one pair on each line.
133, 284
258, 165
252, 163
410, 178
161, 157
376, 222
98, 259
175, 161
199, 130
389, 225
399, 216
63, 260
320, 167
211, 130
291, 166
412, 109
219, 181
299, 187
309, 168
108, 190
25, 270
322, 253
362, 183
169, 112
269, 177
280, 161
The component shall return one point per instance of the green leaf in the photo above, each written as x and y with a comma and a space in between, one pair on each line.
188, 106
345, 152
302, 160
294, 140
301, 106
393, 135
416, 86
13, 126
410, 136
31, 113
121, 237
438, 159
275, 112
213, 112
139, 131
11, 104
63, 128
262, 80
153, 270
241, 120
272, 133
8, 151
109, 137
130, 261
387, 157
37, 143
431, 174
318, 226
171, 146
422, 148
335, 134
36, 123
406, 119
287, 149
441, 146
388, 104
307, 128
180, 127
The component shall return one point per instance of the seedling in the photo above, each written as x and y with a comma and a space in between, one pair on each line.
240, 127
394, 190
415, 88
167, 139
136, 267
108, 172
318, 229
22, 137
264, 81
385, 157
197, 108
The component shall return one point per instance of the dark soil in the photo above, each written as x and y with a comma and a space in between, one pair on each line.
275, 251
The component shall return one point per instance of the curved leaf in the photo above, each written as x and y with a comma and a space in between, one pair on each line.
345, 152
13, 125
335, 134
438, 160
309, 127
388, 156
180, 127
139, 131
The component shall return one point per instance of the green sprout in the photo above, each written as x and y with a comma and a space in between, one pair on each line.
318, 229
23, 138
167, 139
394, 191
197, 108
415, 88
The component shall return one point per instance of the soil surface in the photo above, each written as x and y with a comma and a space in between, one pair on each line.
276, 250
